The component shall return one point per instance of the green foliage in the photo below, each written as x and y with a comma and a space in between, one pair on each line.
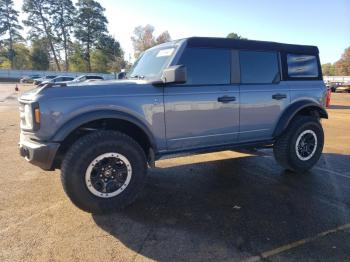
76, 59
40, 23
5, 63
235, 36
9, 27
99, 61
39, 56
22, 58
91, 24
110, 48
51, 24
62, 16
339, 68
328, 69
144, 39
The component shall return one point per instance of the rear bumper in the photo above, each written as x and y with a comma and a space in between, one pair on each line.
38, 154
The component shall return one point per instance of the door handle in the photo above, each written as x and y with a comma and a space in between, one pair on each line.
226, 99
279, 96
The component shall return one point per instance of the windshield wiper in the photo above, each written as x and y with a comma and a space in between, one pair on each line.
137, 77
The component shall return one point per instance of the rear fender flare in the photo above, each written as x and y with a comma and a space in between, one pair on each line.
293, 110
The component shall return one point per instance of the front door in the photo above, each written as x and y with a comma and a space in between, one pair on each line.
204, 111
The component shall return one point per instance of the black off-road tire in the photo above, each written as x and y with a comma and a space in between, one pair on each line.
284, 148
83, 152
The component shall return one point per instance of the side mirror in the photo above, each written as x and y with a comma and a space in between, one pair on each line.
175, 74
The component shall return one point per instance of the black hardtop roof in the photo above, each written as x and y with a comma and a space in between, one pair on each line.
215, 42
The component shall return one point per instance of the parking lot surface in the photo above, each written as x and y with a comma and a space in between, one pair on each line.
223, 206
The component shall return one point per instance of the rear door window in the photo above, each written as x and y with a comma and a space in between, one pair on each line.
259, 67
302, 66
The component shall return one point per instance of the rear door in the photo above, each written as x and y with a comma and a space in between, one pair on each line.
202, 112
263, 97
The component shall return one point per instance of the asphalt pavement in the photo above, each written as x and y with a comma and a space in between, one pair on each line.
225, 206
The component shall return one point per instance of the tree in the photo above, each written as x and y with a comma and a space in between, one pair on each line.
76, 59
342, 66
99, 61
235, 36
63, 13
40, 23
22, 59
39, 55
144, 39
110, 48
107, 56
90, 26
328, 69
163, 38
9, 26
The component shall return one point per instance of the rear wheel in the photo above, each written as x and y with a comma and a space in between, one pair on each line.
300, 147
103, 171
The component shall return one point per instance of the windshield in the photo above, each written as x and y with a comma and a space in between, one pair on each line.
79, 78
57, 78
151, 63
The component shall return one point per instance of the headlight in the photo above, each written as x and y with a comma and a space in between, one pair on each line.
28, 116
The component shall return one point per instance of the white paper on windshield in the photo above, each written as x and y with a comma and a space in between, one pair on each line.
165, 52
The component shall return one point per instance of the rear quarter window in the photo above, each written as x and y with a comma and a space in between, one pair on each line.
302, 66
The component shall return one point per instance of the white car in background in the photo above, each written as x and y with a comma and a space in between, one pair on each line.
56, 80
85, 78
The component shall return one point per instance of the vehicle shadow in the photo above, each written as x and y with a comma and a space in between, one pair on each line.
339, 107
228, 209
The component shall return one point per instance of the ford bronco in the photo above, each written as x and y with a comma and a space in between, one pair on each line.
190, 95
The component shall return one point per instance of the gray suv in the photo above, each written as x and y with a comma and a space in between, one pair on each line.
191, 95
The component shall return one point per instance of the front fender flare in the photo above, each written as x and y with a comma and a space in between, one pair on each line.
85, 118
293, 110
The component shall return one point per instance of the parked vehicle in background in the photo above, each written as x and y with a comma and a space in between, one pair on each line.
83, 78
121, 75
343, 88
190, 95
56, 80
29, 79
333, 85
42, 79
91, 80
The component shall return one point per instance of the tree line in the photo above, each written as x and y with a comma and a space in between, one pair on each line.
339, 68
74, 37
64, 36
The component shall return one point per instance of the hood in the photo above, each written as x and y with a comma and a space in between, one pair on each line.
31, 94
88, 89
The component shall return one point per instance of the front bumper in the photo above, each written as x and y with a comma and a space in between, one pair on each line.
38, 154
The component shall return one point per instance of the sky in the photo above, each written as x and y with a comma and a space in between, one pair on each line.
324, 23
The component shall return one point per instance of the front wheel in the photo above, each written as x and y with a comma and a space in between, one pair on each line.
103, 171
300, 147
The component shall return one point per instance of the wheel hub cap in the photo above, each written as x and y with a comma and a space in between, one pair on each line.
306, 145
108, 175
